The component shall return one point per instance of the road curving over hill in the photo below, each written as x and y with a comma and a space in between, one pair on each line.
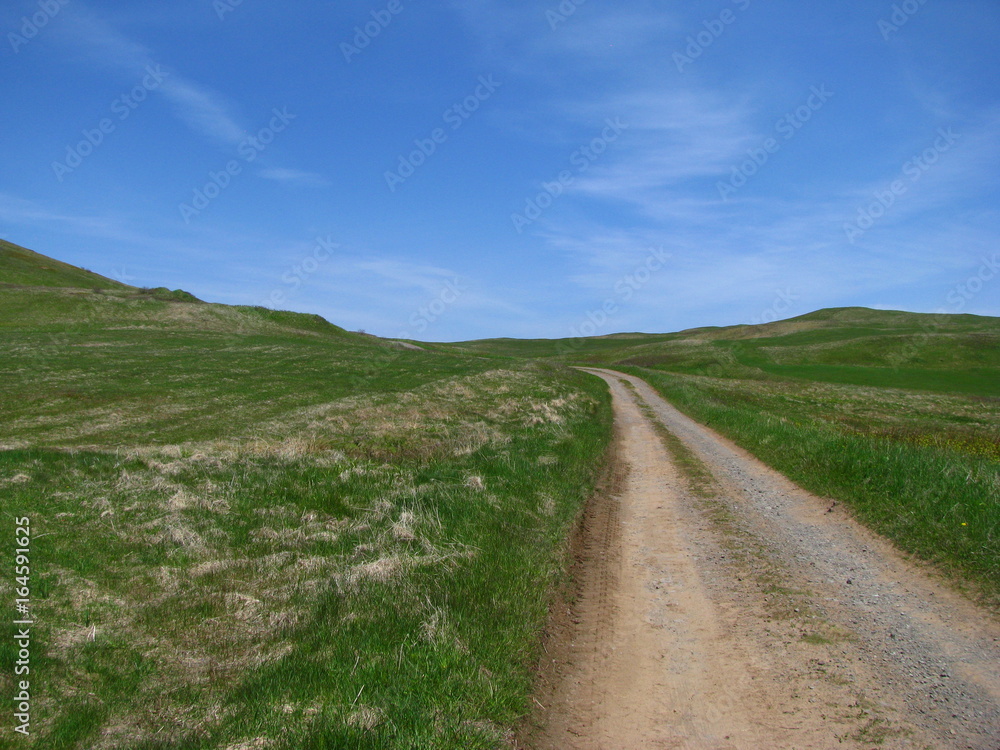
754, 615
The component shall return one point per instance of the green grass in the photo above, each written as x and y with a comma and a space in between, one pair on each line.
119, 370
24, 267
351, 594
977, 382
253, 529
851, 346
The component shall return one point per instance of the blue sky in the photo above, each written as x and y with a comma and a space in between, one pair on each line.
455, 170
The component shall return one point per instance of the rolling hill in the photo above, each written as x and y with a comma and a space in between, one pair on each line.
850, 345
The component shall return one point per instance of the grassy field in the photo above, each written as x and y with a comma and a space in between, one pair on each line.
849, 346
256, 530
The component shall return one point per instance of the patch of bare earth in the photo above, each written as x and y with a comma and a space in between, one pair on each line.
760, 618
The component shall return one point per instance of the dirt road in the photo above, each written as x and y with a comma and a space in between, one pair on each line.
762, 617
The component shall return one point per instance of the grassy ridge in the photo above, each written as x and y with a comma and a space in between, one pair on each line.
851, 346
256, 530
922, 469
84, 368
25, 267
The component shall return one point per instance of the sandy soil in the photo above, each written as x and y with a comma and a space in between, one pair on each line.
762, 618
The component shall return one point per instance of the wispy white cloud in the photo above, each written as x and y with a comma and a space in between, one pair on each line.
741, 258
400, 274
100, 41
294, 176
528, 39
673, 136
21, 212
203, 110
685, 135
964, 166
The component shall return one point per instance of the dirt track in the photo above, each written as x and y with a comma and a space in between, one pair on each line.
763, 618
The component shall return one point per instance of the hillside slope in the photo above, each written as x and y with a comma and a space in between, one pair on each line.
252, 528
23, 267
125, 364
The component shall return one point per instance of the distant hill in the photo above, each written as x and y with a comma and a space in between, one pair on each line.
852, 319
84, 359
847, 345
40, 292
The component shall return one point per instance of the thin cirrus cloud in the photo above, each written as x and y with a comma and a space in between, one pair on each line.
199, 108
400, 274
761, 248
521, 37
672, 136
294, 177
22, 212
685, 135
203, 110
